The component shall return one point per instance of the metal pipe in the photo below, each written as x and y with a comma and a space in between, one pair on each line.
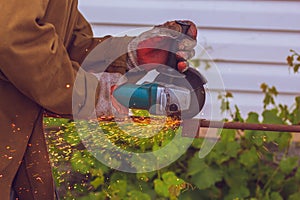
250, 126
191, 127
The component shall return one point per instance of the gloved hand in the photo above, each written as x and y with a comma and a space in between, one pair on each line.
107, 105
152, 48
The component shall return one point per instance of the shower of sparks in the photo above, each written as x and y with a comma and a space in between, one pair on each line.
136, 134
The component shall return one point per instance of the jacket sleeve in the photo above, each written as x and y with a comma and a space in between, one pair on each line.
110, 53
33, 58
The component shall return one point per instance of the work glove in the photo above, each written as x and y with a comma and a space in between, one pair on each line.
164, 44
107, 105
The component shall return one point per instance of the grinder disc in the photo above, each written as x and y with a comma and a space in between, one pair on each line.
191, 79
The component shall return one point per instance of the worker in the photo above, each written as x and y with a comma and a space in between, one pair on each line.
43, 43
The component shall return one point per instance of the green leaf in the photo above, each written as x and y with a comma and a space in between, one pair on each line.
137, 195
228, 135
226, 150
238, 192
296, 68
232, 149
237, 115
276, 196
284, 111
297, 99
171, 179
117, 176
272, 136
195, 165
161, 188
290, 60
288, 164
99, 167
98, 181
257, 137
269, 92
283, 140
224, 105
197, 143
169, 186
295, 114
235, 177
253, 117
294, 196
289, 187
268, 100
228, 95
146, 176
94, 196
273, 91
207, 177
271, 117
264, 87
277, 180
118, 189
249, 158
297, 175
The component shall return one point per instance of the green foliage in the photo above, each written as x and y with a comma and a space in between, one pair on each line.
203, 175
270, 94
293, 61
242, 165
169, 185
225, 101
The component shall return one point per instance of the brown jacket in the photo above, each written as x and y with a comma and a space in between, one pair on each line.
42, 45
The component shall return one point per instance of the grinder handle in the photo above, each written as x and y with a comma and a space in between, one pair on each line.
172, 62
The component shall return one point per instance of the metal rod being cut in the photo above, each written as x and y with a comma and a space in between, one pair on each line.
191, 126
250, 126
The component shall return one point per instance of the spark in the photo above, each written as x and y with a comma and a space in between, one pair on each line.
39, 179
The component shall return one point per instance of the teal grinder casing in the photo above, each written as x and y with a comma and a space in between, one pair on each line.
158, 99
137, 96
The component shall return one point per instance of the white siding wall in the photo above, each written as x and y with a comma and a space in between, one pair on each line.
248, 40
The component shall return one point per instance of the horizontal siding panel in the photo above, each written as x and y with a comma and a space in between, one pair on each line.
117, 29
249, 46
245, 77
265, 15
246, 102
